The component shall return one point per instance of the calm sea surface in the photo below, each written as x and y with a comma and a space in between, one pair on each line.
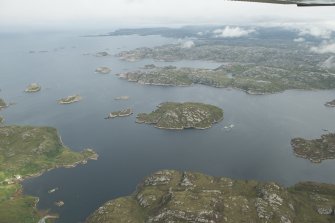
258, 147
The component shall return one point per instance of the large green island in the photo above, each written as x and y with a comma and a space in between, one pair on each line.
253, 79
315, 150
173, 196
172, 115
27, 151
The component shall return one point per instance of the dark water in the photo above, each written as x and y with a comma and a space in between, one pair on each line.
258, 147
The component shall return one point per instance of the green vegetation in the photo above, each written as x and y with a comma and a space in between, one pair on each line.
1, 119
172, 196
34, 87
69, 99
253, 79
315, 150
27, 151
171, 115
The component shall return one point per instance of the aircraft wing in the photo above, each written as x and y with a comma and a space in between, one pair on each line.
297, 2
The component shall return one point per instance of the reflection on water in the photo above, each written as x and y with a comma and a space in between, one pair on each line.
257, 147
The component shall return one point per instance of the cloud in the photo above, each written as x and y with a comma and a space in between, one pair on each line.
187, 44
325, 47
110, 14
232, 32
316, 31
329, 63
299, 40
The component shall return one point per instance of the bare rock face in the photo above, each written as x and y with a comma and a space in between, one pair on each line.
173, 196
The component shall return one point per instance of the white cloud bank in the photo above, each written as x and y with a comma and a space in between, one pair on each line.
316, 31
299, 40
118, 13
329, 63
232, 32
325, 47
187, 44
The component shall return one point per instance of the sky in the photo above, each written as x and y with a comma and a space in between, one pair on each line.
104, 14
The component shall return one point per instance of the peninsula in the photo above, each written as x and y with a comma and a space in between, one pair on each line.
27, 151
69, 99
121, 113
172, 115
173, 196
315, 150
34, 87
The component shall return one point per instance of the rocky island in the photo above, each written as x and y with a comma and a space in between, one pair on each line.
103, 70
173, 196
330, 103
69, 99
34, 87
315, 150
2, 104
59, 203
27, 151
121, 113
122, 98
102, 54
172, 115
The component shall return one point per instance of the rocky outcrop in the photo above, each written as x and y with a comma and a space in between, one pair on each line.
34, 87
103, 70
69, 99
330, 103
